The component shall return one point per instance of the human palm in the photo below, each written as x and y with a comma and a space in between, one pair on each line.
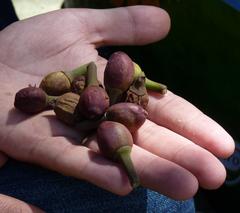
175, 150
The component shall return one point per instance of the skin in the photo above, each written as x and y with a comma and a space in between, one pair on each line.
175, 151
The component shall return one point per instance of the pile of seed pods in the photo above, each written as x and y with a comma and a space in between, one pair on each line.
114, 109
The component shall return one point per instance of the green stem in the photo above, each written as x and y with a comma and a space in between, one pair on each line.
123, 155
155, 86
92, 75
82, 70
149, 84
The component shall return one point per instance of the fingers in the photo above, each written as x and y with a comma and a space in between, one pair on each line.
125, 25
12, 205
168, 145
60, 155
175, 113
164, 176
158, 173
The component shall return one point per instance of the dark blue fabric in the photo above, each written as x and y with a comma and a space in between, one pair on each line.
233, 3
55, 193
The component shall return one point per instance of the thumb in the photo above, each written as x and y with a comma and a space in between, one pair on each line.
13, 205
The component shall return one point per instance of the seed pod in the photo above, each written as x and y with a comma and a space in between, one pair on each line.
118, 75
33, 100
93, 103
115, 142
137, 93
149, 84
65, 108
129, 114
59, 82
94, 100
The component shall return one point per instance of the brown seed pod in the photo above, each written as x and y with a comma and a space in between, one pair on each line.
59, 82
56, 83
129, 114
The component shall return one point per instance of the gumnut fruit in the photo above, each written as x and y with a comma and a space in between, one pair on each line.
115, 142
130, 115
118, 75
33, 100
94, 100
59, 82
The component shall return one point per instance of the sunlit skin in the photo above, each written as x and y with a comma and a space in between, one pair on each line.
176, 150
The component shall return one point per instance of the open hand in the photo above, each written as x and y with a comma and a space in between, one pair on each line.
175, 150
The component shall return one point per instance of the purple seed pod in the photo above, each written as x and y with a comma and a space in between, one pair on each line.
111, 136
93, 103
32, 100
130, 115
118, 74
115, 142
94, 99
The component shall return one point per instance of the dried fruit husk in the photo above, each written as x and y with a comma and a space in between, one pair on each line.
137, 93
65, 108
78, 84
